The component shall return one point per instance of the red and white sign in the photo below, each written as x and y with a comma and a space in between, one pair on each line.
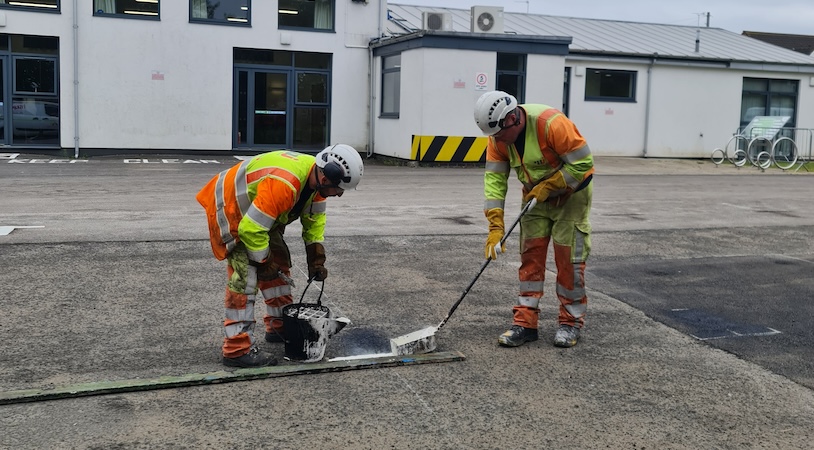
481, 80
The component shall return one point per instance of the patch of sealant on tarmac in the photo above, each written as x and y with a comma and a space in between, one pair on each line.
361, 341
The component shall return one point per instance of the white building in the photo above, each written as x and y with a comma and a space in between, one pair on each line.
188, 75
240, 76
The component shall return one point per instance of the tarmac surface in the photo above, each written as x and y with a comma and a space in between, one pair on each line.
698, 336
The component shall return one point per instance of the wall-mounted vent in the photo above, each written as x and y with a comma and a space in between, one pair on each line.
436, 21
487, 19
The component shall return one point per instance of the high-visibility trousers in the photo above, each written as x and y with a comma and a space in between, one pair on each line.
243, 289
570, 229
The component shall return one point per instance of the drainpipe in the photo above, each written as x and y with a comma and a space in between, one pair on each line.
372, 84
371, 104
75, 80
647, 104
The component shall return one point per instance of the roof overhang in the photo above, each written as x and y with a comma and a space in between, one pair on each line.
509, 43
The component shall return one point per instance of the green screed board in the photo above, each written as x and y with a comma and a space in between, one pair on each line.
223, 376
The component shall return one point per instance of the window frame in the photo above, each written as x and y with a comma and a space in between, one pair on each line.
156, 17
55, 10
331, 29
768, 95
54, 89
519, 72
226, 22
630, 98
396, 112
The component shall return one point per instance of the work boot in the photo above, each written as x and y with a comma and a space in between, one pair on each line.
566, 336
517, 336
255, 358
275, 337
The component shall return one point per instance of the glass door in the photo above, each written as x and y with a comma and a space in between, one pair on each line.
262, 112
270, 117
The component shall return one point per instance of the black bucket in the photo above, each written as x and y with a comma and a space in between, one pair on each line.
307, 328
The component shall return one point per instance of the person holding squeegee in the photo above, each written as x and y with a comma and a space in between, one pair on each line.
553, 162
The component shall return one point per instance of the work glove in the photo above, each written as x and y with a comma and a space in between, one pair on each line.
495, 216
315, 255
266, 270
544, 188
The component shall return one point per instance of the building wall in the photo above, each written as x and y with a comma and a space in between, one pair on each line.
125, 104
431, 104
544, 79
692, 109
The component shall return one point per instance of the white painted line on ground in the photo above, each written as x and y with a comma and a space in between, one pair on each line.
5, 230
737, 206
734, 334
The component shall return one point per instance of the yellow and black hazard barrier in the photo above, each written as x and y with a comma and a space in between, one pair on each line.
452, 149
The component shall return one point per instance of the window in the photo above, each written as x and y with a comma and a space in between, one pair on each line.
236, 12
767, 97
42, 5
311, 110
511, 75
144, 9
35, 75
610, 85
313, 14
391, 85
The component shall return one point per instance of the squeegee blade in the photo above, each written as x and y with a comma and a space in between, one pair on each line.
417, 342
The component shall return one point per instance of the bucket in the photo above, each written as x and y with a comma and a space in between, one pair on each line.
307, 328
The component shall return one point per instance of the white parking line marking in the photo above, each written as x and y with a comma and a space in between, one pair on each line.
5, 229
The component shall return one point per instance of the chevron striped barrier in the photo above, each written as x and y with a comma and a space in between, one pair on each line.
451, 149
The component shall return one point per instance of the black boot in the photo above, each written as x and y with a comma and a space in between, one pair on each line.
517, 336
255, 358
566, 336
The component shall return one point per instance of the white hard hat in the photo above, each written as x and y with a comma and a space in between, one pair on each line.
342, 165
491, 108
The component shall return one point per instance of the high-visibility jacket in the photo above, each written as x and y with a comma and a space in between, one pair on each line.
552, 143
246, 201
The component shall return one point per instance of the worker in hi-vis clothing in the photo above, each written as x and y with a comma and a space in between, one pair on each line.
248, 207
554, 164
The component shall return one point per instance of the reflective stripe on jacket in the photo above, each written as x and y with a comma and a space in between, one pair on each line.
552, 143
247, 200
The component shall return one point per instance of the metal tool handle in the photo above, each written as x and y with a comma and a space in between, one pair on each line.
523, 211
321, 290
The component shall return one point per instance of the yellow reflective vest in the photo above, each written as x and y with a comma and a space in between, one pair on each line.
552, 143
247, 200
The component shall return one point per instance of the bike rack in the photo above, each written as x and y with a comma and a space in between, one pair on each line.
764, 146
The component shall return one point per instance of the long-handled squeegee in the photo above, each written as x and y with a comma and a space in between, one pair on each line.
424, 340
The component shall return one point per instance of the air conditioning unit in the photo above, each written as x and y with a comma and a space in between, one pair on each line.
487, 19
436, 21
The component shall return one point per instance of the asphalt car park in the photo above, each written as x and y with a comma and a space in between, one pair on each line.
698, 332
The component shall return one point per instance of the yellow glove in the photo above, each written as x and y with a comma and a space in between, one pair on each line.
545, 187
495, 216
